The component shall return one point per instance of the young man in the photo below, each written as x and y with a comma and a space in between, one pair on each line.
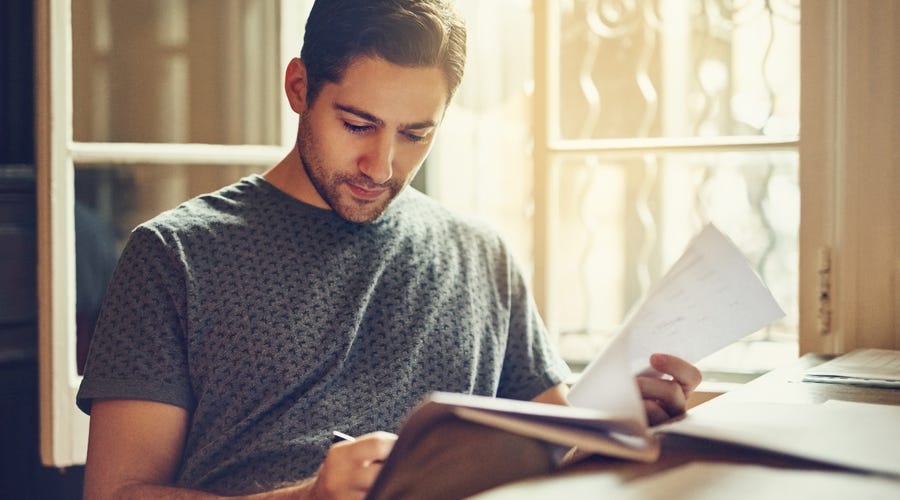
244, 326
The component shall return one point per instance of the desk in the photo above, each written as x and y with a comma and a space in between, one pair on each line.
609, 478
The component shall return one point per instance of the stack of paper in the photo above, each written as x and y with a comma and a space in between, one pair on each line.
872, 367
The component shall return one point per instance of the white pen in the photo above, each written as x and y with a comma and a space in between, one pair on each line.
342, 436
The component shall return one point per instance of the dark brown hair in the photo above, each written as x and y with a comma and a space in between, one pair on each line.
412, 33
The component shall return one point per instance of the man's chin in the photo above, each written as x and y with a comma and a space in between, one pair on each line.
361, 213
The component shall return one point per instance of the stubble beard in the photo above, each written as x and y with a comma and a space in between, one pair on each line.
328, 184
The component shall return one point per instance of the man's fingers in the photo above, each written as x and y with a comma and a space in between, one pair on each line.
373, 447
666, 395
686, 374
352, 466
655, 413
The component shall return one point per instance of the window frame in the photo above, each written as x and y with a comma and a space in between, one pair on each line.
63, 427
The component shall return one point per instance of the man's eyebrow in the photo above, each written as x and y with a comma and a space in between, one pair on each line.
379, 122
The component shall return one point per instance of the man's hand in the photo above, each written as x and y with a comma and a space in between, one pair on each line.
665, 392
350, 468
666, 396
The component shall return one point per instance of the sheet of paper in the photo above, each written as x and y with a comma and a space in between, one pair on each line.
704, 481
875, 367
612, 388
708, 299
714, 481
857, 435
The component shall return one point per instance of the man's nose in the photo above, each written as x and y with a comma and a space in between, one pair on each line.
378, 161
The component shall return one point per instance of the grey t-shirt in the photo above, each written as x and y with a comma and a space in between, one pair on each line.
274, 322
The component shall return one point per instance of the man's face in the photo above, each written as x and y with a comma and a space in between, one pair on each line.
364, 138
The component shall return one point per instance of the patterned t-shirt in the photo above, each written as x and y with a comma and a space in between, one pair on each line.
275, 322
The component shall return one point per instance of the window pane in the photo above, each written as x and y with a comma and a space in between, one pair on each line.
674, 68
109, 202
624, 219
174, 71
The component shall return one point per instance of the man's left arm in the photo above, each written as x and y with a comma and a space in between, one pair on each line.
664, 397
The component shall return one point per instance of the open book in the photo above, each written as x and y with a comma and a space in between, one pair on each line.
590, 430
710, 298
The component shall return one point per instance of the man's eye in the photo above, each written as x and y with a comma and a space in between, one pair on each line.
357, 129
413, 137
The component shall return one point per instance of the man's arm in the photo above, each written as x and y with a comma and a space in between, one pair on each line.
664, 398
134, 449
555, 395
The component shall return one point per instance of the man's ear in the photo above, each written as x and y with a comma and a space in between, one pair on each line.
295, 84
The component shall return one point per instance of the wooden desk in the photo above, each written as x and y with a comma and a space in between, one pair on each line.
779, 386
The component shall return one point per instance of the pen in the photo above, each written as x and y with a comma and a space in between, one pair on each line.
340, 436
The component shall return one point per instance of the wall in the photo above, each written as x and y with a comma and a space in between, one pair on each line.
21, 474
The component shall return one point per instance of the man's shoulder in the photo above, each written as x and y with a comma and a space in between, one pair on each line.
430, 220
433, 214
228, 205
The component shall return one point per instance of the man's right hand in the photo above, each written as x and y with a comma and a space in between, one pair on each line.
350, 468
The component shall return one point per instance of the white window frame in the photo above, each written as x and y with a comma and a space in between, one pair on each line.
64, 428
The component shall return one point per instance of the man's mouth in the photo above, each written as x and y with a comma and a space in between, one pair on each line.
366, 193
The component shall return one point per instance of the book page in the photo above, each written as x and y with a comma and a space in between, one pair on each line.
591, 430
704, 481
710, 298
859, 435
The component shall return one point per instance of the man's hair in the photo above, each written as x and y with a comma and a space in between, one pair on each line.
411, 33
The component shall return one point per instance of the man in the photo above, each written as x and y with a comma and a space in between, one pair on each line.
243, 327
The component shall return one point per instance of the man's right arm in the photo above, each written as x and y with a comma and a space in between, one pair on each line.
134, 449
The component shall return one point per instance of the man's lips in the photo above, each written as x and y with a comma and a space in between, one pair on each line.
364, 193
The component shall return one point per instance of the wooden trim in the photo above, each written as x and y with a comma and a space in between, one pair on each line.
674, 145
104, 153
821, 162
544, 188
63, 428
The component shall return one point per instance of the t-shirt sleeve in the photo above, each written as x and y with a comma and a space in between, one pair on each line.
532, 363
138, 350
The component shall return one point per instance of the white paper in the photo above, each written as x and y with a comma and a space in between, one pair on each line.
715, 481
613, 388
704, 481
858, 435
709, 298
875, 367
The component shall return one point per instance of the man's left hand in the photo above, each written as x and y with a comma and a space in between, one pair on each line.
665, 394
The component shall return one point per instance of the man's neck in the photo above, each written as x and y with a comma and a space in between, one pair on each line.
289, 176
